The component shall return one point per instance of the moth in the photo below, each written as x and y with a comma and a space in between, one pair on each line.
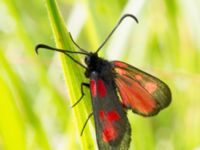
116, 87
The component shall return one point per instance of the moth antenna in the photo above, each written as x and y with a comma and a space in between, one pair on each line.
113, 30
57, 49
43, 46
81, 49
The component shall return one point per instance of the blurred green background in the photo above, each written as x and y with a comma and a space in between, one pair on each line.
35, 111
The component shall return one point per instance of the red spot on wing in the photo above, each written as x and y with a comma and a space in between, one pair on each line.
150, 87
113, 116
102, 114
138, 77
93, 88
120, 64
109, 116
120, 71
101, 88
109, 133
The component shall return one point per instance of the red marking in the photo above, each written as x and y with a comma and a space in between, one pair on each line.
101, 88
120, 71
113, 116
102, 114
135, 96
93, 88
120, 64
109, 130
138, 77
150, 87
109, 133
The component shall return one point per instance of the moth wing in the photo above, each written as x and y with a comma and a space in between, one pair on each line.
143, 93
111, 123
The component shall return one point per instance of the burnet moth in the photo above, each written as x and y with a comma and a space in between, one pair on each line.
115, 87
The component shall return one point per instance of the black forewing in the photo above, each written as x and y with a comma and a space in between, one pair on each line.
111, 123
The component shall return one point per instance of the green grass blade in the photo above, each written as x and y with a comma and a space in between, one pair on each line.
72, 72
11, 123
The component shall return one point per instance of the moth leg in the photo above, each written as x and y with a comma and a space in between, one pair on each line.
82, 93
90, 115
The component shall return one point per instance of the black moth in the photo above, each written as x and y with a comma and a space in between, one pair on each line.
141, 92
